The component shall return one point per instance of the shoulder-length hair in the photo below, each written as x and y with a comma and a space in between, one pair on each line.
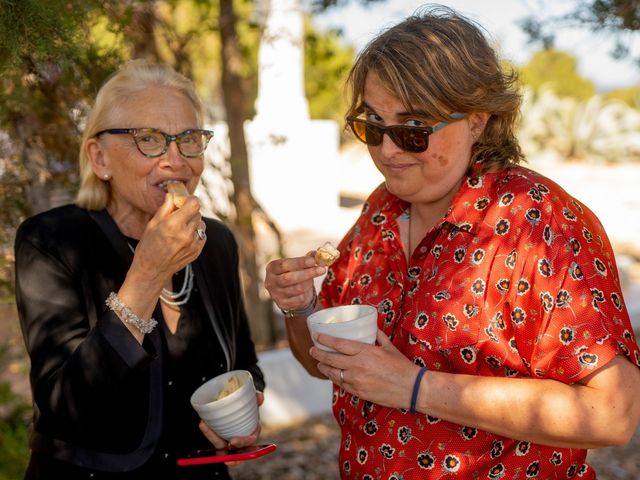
440, 62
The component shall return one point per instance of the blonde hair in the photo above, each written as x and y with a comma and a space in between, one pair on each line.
133, 77
440, 62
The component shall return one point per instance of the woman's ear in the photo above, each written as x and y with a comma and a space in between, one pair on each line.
477, 122
96, 156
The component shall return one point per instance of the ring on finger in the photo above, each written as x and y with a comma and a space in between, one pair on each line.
341, 378
201, 232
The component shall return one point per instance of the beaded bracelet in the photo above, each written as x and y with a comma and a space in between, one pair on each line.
126, 315
416, 389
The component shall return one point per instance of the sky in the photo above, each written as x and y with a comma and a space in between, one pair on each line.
500, 18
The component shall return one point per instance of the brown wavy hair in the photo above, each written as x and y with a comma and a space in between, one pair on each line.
439, 61
133, 77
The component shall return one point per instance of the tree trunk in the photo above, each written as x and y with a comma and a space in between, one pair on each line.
141, 31
234, 102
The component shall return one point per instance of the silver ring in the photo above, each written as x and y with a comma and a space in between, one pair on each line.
341, 377
201, 233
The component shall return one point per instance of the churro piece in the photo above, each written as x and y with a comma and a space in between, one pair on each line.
179, 193
326, 255
231, 385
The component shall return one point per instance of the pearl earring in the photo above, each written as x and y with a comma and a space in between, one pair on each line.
106, 176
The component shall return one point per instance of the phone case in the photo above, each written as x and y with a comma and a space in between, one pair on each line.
203, 457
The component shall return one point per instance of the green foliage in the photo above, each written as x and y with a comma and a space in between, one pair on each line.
48, 76
14, 428
558, 71
618, 19
49, 73
327, 62
39, 30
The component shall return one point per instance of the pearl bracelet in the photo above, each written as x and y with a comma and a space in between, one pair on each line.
126, 315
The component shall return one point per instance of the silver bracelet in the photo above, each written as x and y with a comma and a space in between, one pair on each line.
302, 312
126, 315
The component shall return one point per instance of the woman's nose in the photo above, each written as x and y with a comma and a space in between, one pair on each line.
388, 146
173, 155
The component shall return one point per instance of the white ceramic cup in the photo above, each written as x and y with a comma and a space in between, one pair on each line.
352, 322
235, 415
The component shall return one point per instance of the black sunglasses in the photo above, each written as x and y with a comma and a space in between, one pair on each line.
411, 139
152, 143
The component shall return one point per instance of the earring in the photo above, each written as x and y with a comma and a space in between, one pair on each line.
106, 176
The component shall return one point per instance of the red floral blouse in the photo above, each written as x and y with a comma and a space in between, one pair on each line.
518, 280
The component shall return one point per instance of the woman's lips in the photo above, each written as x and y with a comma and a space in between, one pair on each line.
398, 167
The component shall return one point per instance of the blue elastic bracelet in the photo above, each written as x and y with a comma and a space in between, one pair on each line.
416, 389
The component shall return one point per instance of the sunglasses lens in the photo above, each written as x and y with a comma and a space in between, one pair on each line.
366, 132
409, 138
373, 134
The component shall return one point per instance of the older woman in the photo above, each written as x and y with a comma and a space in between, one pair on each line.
504, 347
128, 303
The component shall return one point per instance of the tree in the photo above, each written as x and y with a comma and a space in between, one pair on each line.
630, 96
327, 62
47, 72
245, 204
53, 58
620, 19
558, 71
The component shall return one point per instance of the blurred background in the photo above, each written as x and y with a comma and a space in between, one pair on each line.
282, 171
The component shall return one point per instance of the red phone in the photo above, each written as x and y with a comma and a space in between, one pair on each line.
202, 457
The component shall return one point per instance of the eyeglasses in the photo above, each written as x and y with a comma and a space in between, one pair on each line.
411, 139
152, 143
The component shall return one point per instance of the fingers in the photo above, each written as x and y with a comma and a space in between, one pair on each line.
201, 230
239, 442
383, 340
285, 273
289, 281
173, 238
340, 345
285, 265
216, 441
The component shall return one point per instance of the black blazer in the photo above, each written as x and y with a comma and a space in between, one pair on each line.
97, 392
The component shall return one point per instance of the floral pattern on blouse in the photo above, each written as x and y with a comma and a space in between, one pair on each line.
518, 280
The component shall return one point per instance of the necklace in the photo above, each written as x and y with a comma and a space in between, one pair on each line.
181, 297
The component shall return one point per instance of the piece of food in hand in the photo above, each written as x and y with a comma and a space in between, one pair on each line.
326, 255
231, 385
179, 192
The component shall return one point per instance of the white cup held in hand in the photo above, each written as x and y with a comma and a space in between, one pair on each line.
235, 415
352, 322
